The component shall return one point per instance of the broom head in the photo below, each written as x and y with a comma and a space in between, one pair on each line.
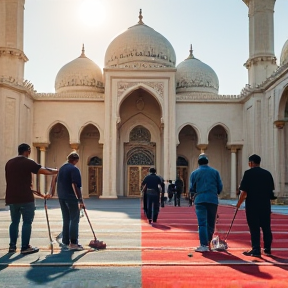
218, 245
96, 244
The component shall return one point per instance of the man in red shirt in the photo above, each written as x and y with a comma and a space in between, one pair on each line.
20, 198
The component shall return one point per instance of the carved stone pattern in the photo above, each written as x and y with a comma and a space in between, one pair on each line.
9, 126
58, 131
75, 95
140, 134
78, 81
157, 86
141, 65
91, 134
95, 161
13, 53
134, 188
207, 96
141, 157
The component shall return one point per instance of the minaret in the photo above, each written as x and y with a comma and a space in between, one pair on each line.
12, 57
262, 60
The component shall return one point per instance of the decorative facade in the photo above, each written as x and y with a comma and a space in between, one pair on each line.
144, 111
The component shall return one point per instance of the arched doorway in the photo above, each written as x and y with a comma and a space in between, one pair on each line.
95, 175
140, 140
187, 154
219, 156
91, 153
140, 155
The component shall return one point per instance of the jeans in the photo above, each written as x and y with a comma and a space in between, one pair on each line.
206, 215
71, 215
152, 205
27, 211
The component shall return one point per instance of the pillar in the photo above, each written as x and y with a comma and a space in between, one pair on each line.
43, 164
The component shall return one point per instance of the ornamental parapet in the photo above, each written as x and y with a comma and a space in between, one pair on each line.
70, 95
204, 97
25, 85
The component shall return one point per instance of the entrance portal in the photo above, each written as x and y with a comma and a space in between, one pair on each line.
95, 172
182, 173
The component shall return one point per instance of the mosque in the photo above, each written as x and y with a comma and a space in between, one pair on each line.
142, 110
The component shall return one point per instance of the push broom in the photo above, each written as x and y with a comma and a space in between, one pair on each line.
93, 243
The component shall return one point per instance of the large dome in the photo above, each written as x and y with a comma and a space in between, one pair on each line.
284, 54
81, 74
140, 46
195, 76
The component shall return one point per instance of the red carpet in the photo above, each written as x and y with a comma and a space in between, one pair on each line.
166, 245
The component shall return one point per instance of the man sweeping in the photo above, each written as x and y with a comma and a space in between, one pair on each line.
257, 185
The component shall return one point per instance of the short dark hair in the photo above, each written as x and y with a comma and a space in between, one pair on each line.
23, 148
73, 156
152, 170
255, 158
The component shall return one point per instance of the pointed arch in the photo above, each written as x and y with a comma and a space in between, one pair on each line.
282, 103
96, 126
227, 130
50, 127
144, 87
198, 133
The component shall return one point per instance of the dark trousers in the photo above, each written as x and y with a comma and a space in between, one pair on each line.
70, 214
257, 220
152, 205
26, 210
177, 197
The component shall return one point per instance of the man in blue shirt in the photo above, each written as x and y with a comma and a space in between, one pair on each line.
70, 198
206, 184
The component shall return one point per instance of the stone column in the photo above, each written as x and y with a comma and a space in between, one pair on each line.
233, 172
42, 162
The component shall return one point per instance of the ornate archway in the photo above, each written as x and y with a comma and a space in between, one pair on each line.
140, 155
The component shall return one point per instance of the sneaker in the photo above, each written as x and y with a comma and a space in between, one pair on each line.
202, 248
29, 250
76, 247
267, 251
12, 250
253, 253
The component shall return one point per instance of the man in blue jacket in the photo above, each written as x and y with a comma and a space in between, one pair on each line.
206, 183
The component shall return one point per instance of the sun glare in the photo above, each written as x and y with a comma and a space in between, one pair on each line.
92, 12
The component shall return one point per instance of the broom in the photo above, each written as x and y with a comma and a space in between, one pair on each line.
93, 243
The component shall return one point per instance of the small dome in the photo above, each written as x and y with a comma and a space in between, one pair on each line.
140, 46
284, 54
81, 74
195, 76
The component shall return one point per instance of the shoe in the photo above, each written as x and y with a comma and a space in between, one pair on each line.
267, 252
155, 221
12, 250
202, 248
150, 221
29, 250
253, 253
75, 247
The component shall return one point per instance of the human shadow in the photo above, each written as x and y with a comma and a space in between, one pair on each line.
245, 267
9, 258
161, 226
54, 266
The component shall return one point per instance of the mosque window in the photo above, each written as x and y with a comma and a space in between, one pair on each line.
95, 161
140, 134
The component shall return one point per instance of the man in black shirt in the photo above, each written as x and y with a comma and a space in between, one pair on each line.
256, 187
152, 182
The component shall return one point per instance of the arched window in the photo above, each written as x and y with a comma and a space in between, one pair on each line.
95, 161
140, 134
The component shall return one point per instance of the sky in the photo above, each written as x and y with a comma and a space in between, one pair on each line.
54, 31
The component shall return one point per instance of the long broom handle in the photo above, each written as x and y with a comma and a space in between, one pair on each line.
231, 224
89, 223
48, 225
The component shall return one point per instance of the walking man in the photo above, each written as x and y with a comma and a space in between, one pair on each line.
206, 183
257, 186
20, 198
178, 191
153, 183
70, 199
